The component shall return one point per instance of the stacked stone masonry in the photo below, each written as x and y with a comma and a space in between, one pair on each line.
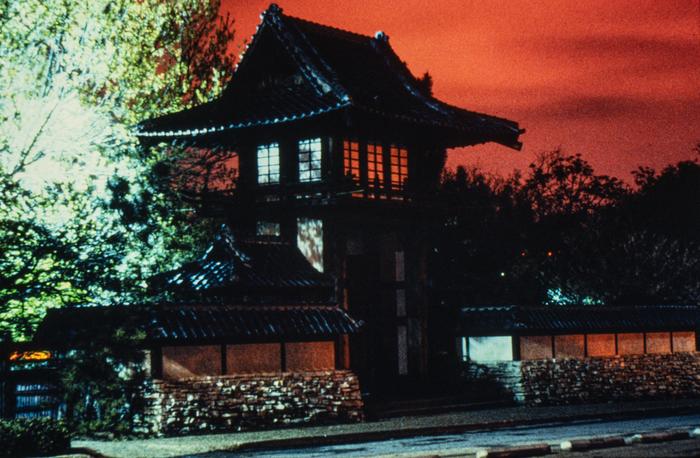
619, 378
240, 402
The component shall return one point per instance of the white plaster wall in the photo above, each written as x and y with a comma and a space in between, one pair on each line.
490, 348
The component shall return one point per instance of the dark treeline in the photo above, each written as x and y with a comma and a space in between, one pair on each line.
562, 234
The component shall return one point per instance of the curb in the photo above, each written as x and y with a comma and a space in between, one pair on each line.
516, 451
580, 445
369, 436
591, 444
650, 438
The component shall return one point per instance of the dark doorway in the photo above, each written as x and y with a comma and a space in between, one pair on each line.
363, 288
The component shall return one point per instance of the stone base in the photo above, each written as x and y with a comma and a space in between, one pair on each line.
601, 379
239, 402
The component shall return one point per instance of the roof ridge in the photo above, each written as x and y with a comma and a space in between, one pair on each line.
289, 36
330, 28
275, 9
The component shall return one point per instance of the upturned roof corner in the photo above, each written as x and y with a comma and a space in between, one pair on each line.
340, 71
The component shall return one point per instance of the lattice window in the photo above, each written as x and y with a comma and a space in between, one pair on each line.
351, 160
375, 165
269, 164
399, 167
310, 160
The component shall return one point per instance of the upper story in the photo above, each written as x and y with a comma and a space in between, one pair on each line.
313, 111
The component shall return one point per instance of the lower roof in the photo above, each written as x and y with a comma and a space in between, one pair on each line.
576, 319
174, 324
240, 271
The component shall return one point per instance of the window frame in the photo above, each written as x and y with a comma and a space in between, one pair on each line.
272, 164
376, 178
398, 167
310, 170
352, 163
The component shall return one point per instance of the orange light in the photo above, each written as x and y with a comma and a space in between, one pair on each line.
30, 356
550, 254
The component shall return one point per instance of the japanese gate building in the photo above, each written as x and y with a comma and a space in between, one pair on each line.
339, 149
318, 277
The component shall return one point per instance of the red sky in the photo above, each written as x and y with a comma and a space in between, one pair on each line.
618, 81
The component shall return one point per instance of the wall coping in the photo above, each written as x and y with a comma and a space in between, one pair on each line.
257, 375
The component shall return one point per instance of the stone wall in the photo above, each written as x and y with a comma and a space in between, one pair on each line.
629, 377
238, 402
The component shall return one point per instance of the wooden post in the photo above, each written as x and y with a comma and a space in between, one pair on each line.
670, 337
515, 341
554, 354
224, 362
157, 362
364, 180
283, 357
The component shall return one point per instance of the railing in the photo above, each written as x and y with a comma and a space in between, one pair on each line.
323, 190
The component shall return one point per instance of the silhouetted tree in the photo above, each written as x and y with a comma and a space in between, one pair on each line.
566, 185
481, 240
566, 235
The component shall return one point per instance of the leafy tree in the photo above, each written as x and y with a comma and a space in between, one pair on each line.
86, 216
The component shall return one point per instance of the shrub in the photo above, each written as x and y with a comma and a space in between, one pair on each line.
33, 436
103, 386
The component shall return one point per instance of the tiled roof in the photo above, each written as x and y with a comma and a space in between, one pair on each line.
194, 324
256, 323
232, 268
341, 70
274, 106
565, 319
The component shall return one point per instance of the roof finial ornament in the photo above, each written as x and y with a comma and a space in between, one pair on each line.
274, 9
381, 36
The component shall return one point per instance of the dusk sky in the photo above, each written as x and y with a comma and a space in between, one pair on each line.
617, 81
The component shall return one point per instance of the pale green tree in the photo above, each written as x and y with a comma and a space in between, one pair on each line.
82, 217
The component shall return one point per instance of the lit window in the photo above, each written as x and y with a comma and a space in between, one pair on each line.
399, 167
351, 160
310, 240
310, 160
269, 164
375, 165
268, 228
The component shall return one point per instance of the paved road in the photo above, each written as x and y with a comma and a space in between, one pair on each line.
683, 448
552, 433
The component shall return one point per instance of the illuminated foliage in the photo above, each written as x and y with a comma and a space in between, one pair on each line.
85, 215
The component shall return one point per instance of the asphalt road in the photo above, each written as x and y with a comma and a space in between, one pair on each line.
683, 448
551, 433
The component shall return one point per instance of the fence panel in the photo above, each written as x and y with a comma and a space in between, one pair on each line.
30, 386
